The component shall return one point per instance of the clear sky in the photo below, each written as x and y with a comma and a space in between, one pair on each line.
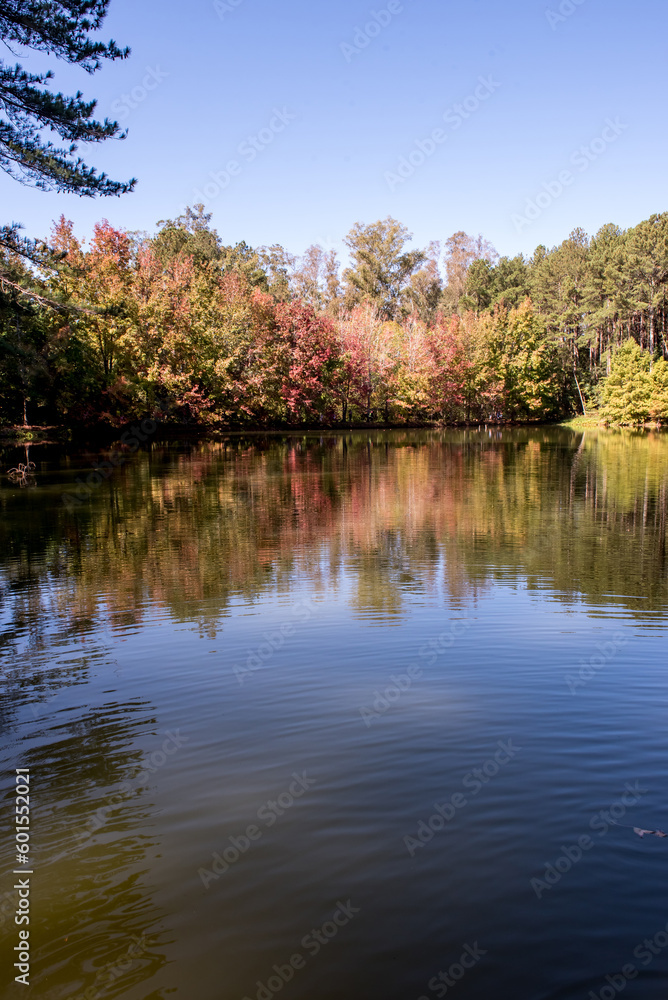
317, 105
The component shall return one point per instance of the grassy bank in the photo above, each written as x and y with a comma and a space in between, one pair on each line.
592, 420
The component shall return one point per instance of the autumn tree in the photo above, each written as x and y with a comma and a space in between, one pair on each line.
129, 324
310, 356
40, 133
369, 351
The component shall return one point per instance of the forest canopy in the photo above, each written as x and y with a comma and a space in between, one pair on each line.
181, 324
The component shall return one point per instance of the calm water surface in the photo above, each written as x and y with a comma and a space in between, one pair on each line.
244, 674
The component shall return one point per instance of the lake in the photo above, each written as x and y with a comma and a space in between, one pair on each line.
366, 715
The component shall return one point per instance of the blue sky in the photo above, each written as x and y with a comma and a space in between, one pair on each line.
315, 117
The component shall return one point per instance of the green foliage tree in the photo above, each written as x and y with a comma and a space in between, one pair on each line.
423, 295
658, 402
381, 265
61, 28
488, 285
34, 125
279, 266
315, 279
511, 281
191, 234
647, 268
602, 289
626, 393
520, 358
461, 251
479, 288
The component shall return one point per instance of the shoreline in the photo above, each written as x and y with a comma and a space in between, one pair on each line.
56, 434
67, 434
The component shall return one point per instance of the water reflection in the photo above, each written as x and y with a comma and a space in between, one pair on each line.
94, 922
192, 527
126, 615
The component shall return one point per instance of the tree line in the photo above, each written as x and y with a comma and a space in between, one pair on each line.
180, 324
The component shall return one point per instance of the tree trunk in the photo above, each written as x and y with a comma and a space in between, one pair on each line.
584, 410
